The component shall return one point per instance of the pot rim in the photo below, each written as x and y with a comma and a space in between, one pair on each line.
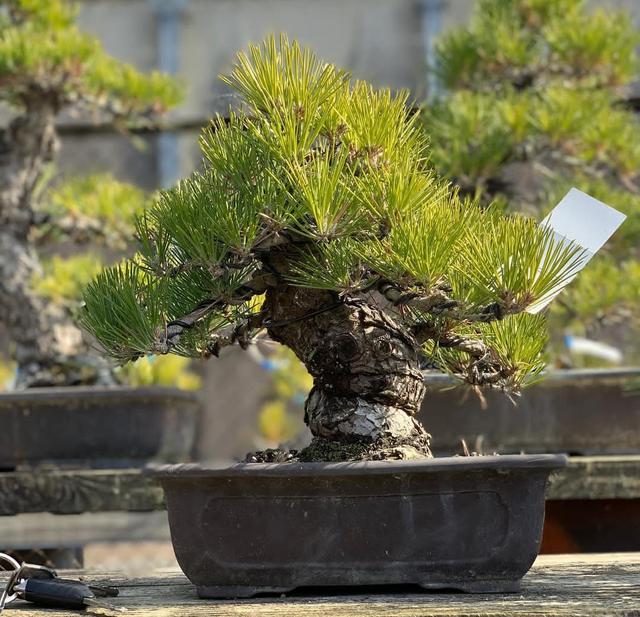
62, 393
433, 465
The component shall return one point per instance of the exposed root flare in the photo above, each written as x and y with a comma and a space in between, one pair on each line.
345, 450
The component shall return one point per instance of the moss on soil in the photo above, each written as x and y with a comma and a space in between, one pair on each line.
331, 451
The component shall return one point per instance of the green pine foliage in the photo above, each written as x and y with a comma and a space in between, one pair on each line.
534, 103
517, 343
98, 213
42, 50
338, 174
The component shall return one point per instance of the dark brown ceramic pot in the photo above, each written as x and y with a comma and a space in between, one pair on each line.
572, 411
471, 523
97, 427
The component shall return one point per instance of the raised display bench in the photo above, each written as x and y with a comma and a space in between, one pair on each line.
593, 504
97, 490
557, 585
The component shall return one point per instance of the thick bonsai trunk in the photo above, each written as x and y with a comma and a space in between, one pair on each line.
46, 346
367, 382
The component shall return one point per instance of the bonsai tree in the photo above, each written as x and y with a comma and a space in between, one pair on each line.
534, 103
48, 67
318, 196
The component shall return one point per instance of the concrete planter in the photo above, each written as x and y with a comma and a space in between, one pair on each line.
467, 523
97, 427
571, 411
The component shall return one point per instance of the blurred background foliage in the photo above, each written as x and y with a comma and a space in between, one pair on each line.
42, 48
51, 70
281, 419
535, 99
86, 224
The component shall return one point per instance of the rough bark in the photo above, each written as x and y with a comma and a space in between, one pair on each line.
47, 348
367, 381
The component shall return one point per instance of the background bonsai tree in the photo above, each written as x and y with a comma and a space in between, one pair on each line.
534, 103
48, 67
85, 222
319, 197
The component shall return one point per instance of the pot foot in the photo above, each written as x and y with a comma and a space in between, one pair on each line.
480, 586
233, 591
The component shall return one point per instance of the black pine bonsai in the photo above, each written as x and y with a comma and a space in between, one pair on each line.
318, 218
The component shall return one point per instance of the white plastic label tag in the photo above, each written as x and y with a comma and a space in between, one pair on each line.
584, 220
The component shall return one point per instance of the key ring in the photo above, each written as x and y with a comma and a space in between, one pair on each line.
5, 598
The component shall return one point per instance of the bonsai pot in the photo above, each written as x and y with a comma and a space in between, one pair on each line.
97, 426
572, 411
467, 523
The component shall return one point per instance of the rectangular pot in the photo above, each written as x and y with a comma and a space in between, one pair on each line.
472, 524
570, 411
100, 427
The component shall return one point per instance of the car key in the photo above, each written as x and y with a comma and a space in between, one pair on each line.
21, 571
62, 593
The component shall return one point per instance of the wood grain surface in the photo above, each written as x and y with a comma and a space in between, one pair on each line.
557, 585
76, 491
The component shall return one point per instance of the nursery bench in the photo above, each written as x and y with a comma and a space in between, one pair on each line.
559, 585
97, 490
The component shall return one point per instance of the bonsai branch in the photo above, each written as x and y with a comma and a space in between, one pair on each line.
169, 337
485, 367
437, 302
241, 333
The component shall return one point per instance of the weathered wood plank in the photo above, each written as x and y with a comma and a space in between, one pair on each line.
73, 492
559, 585
45, 530
597, 477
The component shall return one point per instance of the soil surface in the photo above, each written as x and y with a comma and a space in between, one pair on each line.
328, 451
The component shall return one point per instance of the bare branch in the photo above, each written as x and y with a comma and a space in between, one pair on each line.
170, 336
437, 303
241, 333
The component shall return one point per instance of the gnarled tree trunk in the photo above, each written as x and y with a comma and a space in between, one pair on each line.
47, 348
367, 381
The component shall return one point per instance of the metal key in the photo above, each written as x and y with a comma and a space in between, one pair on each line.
7, 593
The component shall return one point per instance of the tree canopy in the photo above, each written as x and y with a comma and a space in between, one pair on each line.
323, 182
43, 55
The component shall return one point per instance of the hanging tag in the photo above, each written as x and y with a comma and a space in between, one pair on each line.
584, 220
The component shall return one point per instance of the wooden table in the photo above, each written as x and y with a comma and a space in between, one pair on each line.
557, 586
